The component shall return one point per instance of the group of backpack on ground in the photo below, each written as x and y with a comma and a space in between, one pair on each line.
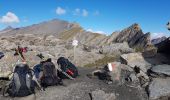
24, 80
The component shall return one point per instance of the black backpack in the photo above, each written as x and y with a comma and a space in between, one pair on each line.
67, 67
49, 77
21, 84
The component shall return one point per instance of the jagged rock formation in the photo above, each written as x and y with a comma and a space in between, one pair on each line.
134, 36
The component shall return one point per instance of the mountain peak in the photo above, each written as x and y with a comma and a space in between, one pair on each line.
135, 26
8, 28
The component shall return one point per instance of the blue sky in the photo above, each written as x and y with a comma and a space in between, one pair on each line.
94, 15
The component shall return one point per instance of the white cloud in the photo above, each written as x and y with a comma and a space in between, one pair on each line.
100, 32
9, 18
158, 35
96, 13
80, 12
60, 11
84, 12
77, 11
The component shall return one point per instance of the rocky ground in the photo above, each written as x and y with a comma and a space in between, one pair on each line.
129, 47
85, 88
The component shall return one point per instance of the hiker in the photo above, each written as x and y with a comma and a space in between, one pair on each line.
49, 74
110, 73
22, 82
68, 70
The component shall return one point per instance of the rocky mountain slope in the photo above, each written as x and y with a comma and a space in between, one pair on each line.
54, 39
67, 31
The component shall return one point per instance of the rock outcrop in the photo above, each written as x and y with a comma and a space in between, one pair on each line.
160, 71
164, 46
134, 36
159, 88
116, 49
135, 59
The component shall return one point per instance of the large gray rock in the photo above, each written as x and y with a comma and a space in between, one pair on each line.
101, 95
159, 88
161, 70
150, 51
116, 49
135, 59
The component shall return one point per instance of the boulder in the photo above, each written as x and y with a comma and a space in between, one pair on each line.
135, 59
150, 51
101, 95
116, 49
159, 88
133, 77
160, 70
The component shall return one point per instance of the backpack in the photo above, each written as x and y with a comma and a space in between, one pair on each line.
49, 77
21, 84
67, 67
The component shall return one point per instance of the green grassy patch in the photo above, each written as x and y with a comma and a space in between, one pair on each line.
101, 62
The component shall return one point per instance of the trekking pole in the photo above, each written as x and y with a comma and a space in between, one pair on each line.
66, 74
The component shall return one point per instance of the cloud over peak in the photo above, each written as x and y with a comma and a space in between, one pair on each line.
9, 18
100, 32
84, 12
60, 11
80, 12
158, 35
